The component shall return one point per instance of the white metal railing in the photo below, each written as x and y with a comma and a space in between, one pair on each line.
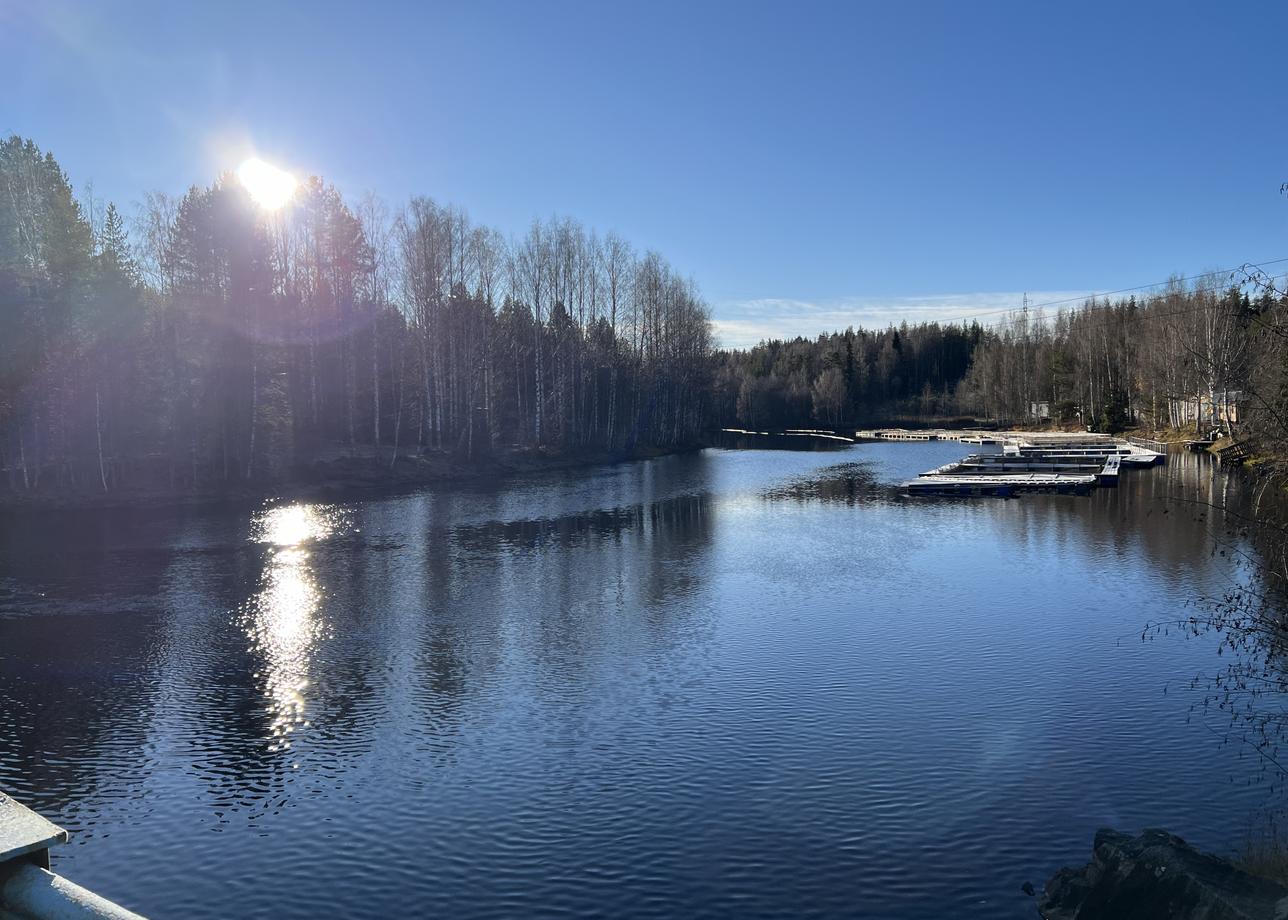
28, 890
32, 892
1149, 444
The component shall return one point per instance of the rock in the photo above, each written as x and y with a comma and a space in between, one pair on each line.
1158, 876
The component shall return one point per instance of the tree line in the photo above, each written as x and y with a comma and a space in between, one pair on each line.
1198, 356
211, 343
854, 376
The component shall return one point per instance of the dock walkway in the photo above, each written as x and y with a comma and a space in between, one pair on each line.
1037, 462
1000, 484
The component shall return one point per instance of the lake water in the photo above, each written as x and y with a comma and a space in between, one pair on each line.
735, 683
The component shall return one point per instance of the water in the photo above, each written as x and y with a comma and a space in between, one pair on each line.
739, 683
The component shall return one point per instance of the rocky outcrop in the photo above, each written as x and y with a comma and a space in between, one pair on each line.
1158, 876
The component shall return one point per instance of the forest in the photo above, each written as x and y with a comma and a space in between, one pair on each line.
1191, 355
856, 376
204, 343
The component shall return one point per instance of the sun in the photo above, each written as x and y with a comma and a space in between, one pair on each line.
269, 186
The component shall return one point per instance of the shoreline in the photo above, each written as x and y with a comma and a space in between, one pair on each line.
343, 477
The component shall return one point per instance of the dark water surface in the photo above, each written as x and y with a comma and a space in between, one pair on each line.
738, 683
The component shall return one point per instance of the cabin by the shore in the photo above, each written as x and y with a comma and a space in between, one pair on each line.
1221, 409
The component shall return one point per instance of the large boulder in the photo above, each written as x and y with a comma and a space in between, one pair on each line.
1158, 876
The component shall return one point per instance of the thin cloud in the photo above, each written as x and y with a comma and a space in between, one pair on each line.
743, 323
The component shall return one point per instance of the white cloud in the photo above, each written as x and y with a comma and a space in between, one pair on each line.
742, 323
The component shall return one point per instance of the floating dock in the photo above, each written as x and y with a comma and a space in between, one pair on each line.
787, 433
1128, 454
1105, 470
1000, 484
1070, 464
1075, 448
900, 434
1036, 440
965, 435
1029, 461
816, 433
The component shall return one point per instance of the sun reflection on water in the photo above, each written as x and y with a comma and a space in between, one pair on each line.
291, 525
282, 619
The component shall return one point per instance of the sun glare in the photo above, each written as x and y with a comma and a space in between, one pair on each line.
269, 186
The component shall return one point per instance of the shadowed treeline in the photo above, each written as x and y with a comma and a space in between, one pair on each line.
218, 343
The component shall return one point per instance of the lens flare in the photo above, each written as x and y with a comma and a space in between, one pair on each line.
269, 186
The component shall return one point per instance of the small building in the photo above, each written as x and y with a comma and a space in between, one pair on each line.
1217, 410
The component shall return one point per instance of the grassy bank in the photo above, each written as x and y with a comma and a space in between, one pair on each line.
1266, 857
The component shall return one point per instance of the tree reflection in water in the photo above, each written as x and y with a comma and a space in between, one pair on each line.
845, 483
1248, 620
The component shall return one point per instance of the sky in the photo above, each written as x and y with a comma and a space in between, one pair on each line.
809, 164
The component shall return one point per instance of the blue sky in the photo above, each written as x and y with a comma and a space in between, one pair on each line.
809, 164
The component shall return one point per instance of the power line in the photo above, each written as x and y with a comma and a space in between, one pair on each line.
1095, 294
1101, 314
1027, 305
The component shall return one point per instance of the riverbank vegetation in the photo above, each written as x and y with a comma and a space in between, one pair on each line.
213, 343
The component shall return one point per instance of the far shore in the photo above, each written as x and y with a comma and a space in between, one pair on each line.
340, 473
338, 477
